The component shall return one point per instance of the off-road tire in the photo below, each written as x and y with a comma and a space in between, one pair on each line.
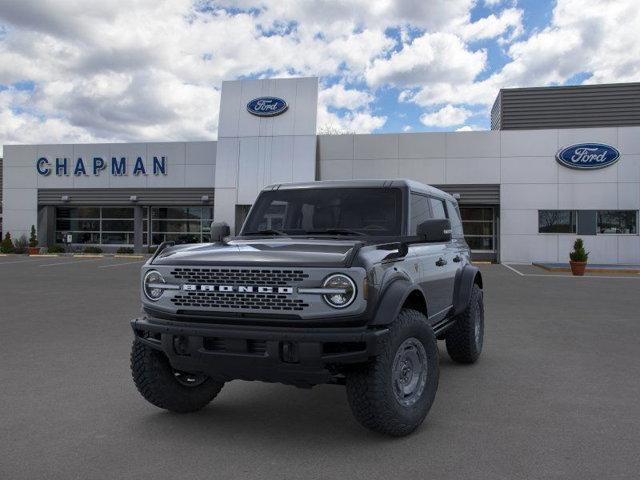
370, 388
462, 344
156, 382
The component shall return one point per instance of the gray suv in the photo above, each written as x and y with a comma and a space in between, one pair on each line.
350, 283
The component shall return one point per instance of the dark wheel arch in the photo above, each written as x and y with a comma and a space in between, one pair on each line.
466, 278
398, 295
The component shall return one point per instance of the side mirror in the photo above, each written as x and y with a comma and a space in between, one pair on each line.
219, 230
435, 230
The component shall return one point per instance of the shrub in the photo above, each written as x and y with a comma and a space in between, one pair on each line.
33, 238
56, 249
153, 249
125, 250
7, 244
21, 244
92, 249
579, 254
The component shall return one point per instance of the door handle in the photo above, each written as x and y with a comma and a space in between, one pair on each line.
441, 262
457, 258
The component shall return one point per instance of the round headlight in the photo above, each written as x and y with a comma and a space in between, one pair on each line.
152, 287
344, 290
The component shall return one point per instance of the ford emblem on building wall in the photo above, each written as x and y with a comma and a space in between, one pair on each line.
267, 106
588, 156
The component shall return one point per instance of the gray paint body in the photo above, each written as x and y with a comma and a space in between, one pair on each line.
364, 259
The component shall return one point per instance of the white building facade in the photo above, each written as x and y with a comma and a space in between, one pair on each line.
518, 202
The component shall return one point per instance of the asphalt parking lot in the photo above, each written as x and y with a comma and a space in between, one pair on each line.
555, 394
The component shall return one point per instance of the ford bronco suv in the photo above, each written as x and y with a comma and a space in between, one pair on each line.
349, 283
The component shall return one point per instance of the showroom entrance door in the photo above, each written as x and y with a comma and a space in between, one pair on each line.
480, 225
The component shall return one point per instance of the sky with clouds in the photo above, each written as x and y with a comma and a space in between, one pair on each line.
150, 70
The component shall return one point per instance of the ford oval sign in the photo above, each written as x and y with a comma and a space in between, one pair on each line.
588, 156
267, 106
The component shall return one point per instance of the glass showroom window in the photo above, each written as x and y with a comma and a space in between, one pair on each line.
557, 221
95, 225
618, 221
479, 228
181, 224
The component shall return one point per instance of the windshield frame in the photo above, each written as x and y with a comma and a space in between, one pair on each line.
403, 196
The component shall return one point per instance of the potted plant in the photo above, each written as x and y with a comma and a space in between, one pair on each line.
578, 258
7, 244
33, 242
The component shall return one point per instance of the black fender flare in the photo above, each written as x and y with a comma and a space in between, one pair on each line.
465, 278
392, 300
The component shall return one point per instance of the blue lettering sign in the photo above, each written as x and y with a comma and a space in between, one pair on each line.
98, 165
61, 166
79, 170
588, 156
42, 165
159, 166
118, 167
139, 167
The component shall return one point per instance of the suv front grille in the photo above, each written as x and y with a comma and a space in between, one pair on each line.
238, 301
239, 276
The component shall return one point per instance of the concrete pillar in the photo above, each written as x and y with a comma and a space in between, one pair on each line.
137, 228
46, 228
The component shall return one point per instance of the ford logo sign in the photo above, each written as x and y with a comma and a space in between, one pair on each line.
267, 106
588, 156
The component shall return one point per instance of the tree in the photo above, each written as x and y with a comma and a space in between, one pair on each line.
7, 244
33, 239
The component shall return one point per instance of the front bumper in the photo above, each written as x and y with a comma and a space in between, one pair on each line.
299, 356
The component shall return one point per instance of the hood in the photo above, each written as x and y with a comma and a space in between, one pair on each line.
263, 252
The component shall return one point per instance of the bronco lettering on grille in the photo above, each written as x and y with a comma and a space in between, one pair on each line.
237, 289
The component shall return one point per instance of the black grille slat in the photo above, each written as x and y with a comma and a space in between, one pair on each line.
239, 276
238, 301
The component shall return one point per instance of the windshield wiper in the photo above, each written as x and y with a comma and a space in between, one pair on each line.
267, 231
336, 231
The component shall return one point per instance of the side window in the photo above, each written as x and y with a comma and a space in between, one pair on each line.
437, 206
419, 212
454, 216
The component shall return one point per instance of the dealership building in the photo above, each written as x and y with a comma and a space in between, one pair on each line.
559, 162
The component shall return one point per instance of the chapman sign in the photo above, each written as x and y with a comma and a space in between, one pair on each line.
96, 165
267, 106
588, 156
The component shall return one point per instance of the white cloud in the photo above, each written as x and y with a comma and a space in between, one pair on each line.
407, 128
338, 96
469, 128
447, 116
509, 20
151, 69
432, 57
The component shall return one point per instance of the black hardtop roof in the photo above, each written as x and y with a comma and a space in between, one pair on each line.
390, 183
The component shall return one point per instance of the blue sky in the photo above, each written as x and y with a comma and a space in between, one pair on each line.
145, 70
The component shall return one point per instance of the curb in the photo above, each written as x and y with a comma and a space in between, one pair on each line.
87, 255
589, 270
128, 256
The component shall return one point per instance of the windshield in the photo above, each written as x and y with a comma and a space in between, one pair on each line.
329, 211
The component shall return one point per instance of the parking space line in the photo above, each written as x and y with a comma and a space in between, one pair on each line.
70, 263
513, 269
565, 276
120, 264
31, 260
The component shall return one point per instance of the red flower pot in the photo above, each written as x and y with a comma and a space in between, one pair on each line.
578, 268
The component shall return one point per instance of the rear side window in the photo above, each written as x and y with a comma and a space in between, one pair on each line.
437, 207
419, 212
454, 217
